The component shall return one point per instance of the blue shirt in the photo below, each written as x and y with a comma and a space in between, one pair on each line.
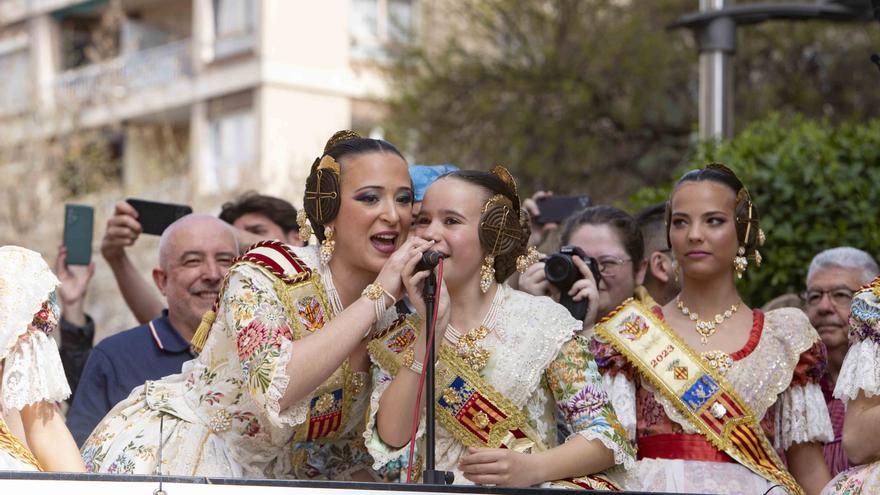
120, 363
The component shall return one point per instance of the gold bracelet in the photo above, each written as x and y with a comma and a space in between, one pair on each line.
374, 291
409, 360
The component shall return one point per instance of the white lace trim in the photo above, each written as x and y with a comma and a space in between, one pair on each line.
298, 412
860, 372
621, 456
25, 284
622, 393
382, 453
802, 416
516, 374
32, 372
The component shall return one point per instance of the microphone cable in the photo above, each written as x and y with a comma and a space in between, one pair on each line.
417, 413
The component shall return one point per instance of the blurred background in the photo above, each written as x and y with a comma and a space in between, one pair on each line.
196, 101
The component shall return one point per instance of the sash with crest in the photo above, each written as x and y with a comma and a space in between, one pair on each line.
469, 407
698, 392
305, 301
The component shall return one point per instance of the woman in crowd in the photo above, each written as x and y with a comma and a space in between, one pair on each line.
508, 360
858, 385
33, 382
613, 238
719, 387
280, 386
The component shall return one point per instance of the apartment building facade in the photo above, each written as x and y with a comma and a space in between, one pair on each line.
245, 91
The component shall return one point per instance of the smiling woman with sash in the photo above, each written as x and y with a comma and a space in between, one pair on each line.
279, 388
508, 363
859, 387
716, 388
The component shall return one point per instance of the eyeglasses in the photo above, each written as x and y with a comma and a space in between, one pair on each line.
840, 296
610, 264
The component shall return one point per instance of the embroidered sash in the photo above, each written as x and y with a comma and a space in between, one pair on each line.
702, 395
478, 415
13, 446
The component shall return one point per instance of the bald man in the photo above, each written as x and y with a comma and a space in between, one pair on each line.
195, 253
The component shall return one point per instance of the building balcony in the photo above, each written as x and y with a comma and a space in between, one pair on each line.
123, 76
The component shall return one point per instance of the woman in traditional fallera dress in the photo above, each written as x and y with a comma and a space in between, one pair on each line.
716, 388
280, 387
33, 377
858, 385
507, 363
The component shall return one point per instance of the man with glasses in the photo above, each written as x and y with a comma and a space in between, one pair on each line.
833, 277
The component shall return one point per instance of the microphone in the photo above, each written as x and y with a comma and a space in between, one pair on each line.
429, 260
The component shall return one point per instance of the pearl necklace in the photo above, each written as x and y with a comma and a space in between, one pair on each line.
706, 328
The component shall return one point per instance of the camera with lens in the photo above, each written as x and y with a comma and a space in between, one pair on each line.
560, 270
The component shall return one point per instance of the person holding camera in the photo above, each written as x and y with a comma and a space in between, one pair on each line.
599, 266
507, 362
717, 388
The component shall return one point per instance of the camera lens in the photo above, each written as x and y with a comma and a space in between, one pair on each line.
557, 268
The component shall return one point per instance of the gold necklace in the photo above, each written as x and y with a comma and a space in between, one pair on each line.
468, 346
706, 328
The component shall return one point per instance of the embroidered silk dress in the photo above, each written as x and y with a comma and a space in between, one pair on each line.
777, 374
860, 372
536, 361
221, 414
31, 366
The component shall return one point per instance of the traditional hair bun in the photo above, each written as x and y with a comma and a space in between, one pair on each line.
340, 136
500, 231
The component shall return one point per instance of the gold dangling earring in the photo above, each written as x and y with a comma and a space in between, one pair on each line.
740, 262
487, 273
327, 245
676, 268
305, 230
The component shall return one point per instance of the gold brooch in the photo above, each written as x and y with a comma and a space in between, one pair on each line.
451, 397
481, 419
220, 421
324, 403
469, 349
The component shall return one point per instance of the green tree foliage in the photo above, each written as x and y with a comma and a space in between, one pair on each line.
816, 186
598, 96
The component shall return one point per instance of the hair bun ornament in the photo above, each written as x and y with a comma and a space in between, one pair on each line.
500, 231
502, 173
340, 136
321, 200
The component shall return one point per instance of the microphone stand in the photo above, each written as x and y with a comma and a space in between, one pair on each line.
431, 476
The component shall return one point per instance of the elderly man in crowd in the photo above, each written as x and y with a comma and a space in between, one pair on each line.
195, 252
833, 278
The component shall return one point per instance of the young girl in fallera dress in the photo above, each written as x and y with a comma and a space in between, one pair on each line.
508, 361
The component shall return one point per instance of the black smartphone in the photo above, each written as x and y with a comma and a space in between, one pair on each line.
155, 217
555, 209
79, 221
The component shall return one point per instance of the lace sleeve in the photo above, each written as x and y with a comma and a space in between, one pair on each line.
861, 367
618, 380
576, 385
32, 372
253, 311
802, 414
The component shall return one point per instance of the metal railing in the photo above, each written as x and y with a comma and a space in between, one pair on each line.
125, 75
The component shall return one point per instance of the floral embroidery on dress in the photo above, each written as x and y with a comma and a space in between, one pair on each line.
46, 319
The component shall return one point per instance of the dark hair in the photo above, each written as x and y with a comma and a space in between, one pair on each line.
322, 209
280, 212
746, 213
652, 222
508, 249
622, 222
